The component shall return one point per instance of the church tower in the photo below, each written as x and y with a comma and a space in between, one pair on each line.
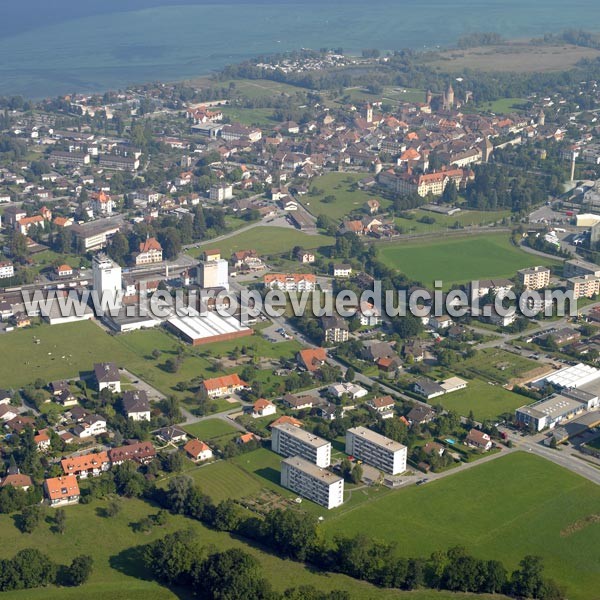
541, 121
450, 96
428, 97
369, 113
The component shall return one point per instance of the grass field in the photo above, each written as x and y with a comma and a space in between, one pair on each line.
390, 94
465, 218
503, 105
210, 429
510, 507
457, 260
272, 240
340, 186
485, 400
498, 365
261, 117
118, 573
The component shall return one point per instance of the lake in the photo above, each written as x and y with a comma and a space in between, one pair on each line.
50, 47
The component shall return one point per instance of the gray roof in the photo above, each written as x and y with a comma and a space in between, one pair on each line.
106, 372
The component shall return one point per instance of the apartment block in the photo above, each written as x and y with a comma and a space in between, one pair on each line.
534, 278
586, 286
376, 450
310, 481
288, 440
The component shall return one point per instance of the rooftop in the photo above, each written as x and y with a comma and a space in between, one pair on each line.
312, 469
377, 438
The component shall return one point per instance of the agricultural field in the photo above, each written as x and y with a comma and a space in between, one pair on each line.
485, 400
505, 509
250, 88
514, 57
119, 574
271, 240
390, 95
456, 260
340, 186
494, 364
465, 218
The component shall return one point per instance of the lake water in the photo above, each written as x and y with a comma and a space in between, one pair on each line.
48, 47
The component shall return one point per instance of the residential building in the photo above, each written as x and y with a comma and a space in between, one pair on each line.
578, 268
286, 419
342, 271
376, 450
90, 426
585, 286
171, 435
221, 192
102, 203
335, 329
311, 359
150, 252
140, 452
534, 278
382, 405
478, 439
117, 162
428, 388
17, 480
290, 282
198, 451
312, 482
213, 274
107, 377
222, 386
351, 390
263, 408
86, 465
42, 440
6, 269
299, 402
61, 491
288, 440
441, 322
95, 234
136, 405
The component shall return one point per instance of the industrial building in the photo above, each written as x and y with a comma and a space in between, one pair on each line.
289, 440
319, 485
198, 329
376, 450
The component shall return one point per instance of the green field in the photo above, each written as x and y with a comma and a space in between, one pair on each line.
505, 509
390, 94
465, 218
340, 186
119, 575
210, 429
261, 117
485, 400
274, 240
456, 260
504, 105
494, 364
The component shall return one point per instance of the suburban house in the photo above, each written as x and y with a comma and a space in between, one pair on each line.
86, 465
335, 329
420, 415
198, 451
428, 388
61, 491
351, 390
42, 440
478, 439
107, 377
90, 426
17, 480
140, 452
311, 359
298, 402
290, 282
136, 405
383, 406
263, 408
221, 386
441, 322
343, 271
286, 419
305, 257
7, 413
171, 435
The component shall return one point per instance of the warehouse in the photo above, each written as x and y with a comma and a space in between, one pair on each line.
208, 327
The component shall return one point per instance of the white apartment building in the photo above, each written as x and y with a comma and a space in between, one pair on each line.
6, 270
219, 193
376, 450
585, 286
290, 282
289, 440
319, 485
534, 278
107, 279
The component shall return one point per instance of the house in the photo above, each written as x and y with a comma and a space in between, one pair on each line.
286, 419
91, 426
5, 397
63, 271
136, 405
198, 451
246, 438
478, 439
433, 448
390, 366
107, 377
383, 406
7, 413
140, 452
342, 270
413, 349
221, 386
19, 424
171, 435
6, 310
419, 415
373, 350
347, 389
441, 322
42, 440
263, 408
290, 282
369, 315
330, 411
86, 465
17, 480
6, 269
335, 329
150, 251
102, 203
299, 402
305, 257
311, 359
66, 398
428, 388
372, 206
61, 491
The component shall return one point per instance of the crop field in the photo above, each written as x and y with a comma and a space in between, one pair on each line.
505, 509
457, 260
271, 240
338, 185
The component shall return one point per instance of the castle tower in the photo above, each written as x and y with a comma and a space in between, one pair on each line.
369, 113
541, 121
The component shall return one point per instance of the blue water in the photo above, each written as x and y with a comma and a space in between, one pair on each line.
59, 46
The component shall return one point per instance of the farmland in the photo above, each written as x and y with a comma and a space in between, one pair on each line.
510, 507
456, 260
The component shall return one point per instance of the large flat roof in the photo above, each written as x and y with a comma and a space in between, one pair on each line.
377, 438
207, 325
570, 377
311, 469
301, 434
552, 407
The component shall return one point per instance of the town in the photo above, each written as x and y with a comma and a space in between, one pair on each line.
256, 184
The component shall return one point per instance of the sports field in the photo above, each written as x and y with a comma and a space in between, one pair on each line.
505, 509
338, 185
456, 260
267, 240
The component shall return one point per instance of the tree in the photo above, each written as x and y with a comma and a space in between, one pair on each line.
408, 326
31, 516
172, 558
33, 569
118, 248
357, 473
291, 534
350, 374
227, 516
113, 507
527, 580
231, 575
60, 520
170, 240
80, 570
